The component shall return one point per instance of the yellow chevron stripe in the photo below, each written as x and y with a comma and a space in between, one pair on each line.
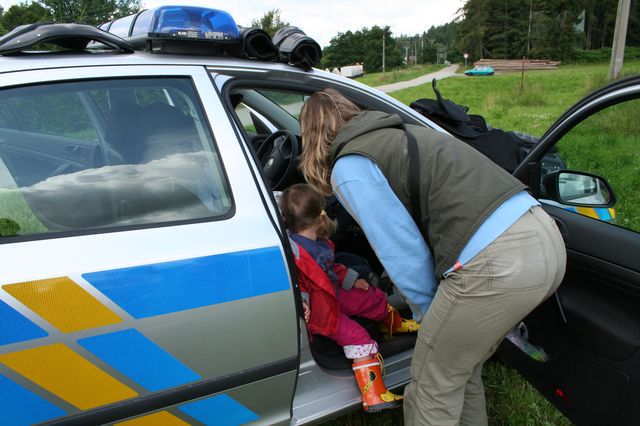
163, 418
67, 375
588, 211
63, 303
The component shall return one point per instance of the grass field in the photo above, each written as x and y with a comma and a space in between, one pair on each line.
546, 95
393, 76
606, 144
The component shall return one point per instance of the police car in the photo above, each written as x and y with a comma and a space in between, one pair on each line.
146, 273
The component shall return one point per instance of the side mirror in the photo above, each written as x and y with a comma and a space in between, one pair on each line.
579, 189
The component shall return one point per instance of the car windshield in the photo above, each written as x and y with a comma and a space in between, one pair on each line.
268, 110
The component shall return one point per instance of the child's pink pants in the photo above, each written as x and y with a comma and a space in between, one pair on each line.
371, 304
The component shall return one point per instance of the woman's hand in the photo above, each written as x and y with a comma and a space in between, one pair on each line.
362, 284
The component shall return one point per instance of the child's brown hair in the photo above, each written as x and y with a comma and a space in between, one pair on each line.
302, 206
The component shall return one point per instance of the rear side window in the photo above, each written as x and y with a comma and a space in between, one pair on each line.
100, 154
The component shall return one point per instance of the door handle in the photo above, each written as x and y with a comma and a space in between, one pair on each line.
564, 231
563, 316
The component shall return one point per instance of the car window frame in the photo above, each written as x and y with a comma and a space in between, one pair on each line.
529, 170
307, 83
624, 91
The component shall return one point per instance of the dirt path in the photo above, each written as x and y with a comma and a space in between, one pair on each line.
443, 73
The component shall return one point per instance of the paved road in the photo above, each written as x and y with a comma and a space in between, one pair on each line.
443, 73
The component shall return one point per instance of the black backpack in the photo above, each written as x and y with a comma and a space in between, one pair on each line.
505, 148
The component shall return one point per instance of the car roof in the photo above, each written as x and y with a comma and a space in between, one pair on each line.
89, 58
48, 60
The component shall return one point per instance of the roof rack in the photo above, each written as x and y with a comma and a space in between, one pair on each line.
199, 30
66, 36
188, 30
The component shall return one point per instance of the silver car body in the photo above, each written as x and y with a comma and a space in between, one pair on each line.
243, 358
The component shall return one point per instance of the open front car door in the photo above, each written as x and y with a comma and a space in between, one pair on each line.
583, 343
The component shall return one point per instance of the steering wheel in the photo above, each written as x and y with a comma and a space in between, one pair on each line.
277, 155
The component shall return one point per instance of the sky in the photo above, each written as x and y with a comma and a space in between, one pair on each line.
324, 19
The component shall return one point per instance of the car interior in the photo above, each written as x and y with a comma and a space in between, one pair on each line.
269, 122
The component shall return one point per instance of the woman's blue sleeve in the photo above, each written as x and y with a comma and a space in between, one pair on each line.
365, 193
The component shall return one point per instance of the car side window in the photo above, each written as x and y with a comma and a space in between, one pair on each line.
49, 113
607, 144
108, 153
289, 102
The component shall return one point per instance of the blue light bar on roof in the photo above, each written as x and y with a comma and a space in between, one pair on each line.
187, 22
167, 28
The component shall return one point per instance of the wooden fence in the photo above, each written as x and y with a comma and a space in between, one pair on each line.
516, 64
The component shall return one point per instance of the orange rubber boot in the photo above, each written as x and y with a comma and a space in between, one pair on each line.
375, 395
394, 323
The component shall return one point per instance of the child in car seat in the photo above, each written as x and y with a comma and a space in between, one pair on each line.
332, 292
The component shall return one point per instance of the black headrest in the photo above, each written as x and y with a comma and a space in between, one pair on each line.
122, 121
296, 48
256, 44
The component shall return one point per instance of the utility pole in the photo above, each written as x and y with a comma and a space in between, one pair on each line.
529, 31
383, 49
506, 41
619, 39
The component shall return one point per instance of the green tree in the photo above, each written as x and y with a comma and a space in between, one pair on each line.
600, 21
373, 50
443, 38
271, 22
473, 26
600, 17
2, 28
633, 33
506, 29
92, 12
363, 46
556, 36
343, 49
428, 53
25, 13
500, 28
446, 34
